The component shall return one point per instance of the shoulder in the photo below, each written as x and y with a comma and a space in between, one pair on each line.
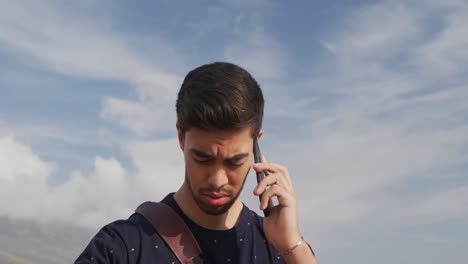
135, 226
118, 241
124, 230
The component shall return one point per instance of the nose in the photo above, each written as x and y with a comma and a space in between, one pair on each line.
218, 178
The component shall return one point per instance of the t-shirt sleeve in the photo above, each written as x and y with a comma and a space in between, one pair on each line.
106, 247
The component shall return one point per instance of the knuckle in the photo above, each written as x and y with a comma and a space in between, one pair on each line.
284, 169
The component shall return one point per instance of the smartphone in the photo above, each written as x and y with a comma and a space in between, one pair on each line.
260, 175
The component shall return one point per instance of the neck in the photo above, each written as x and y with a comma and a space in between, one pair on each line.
224, 221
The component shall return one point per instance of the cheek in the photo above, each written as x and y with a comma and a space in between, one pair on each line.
194, 173
237, 177
193, 167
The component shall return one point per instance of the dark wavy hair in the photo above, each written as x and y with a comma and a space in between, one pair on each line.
220, 96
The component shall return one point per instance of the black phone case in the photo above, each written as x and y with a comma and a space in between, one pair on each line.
260, 175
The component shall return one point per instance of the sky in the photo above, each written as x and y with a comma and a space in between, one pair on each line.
366, 104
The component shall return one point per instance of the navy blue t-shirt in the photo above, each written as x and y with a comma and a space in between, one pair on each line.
135, 241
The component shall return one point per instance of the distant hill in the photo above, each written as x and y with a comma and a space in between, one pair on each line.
30, 242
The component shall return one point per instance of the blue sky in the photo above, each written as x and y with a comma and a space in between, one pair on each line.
366, 103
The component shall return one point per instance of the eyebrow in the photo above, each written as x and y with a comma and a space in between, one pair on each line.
205, 155
200, 153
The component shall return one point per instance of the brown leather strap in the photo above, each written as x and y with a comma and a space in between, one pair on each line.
173, 230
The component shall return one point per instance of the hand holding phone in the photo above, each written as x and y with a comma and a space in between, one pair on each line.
261, 175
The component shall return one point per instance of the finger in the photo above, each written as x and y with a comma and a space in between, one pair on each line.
263, 184
270, 167
285, 198
265, 167
264, 160
285, 179
282, 172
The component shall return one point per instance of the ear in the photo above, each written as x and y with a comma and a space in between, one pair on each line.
180, 136
260, 134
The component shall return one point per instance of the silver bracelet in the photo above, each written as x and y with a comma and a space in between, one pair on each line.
287, 252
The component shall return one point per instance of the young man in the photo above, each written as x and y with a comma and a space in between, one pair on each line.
219, 114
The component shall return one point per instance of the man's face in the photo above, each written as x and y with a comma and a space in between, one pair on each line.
217, 164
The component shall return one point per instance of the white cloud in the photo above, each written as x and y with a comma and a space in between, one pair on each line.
132, 115
159, 165
376, 31
43, 34
48, 36
388, 124
439, 207
90, 200
23, 179
259, 53
25, 192
444, 54
4, 130
152, 111
109, 192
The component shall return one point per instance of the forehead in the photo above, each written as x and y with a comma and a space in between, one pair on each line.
196, 137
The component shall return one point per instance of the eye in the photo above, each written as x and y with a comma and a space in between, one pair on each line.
235, 164
201, 161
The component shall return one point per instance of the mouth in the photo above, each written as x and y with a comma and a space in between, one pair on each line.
215, 199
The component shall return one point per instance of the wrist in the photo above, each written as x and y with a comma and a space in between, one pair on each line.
293, 247
300, 252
